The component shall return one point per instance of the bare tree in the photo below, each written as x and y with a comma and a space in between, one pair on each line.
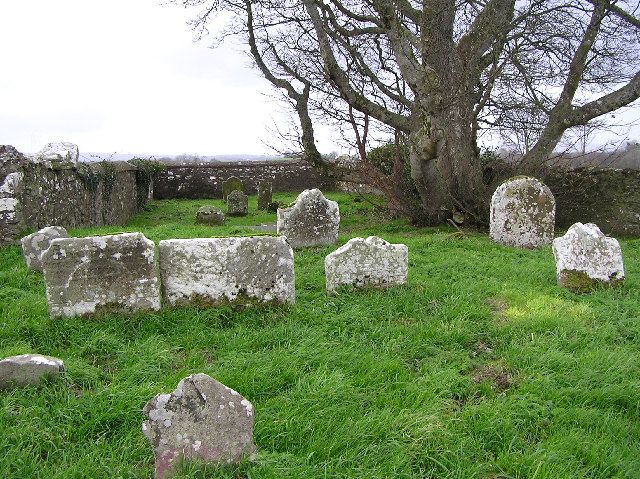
440, 71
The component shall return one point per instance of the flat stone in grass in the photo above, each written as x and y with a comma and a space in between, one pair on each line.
313, 220
210, 215
237, 203
28, 370
211, 271
585, 257
367, 262
231, 184
265, 193
115, 272
37, 243
522, 213
202, 419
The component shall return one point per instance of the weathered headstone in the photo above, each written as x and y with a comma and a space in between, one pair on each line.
61, 152
229, 185
522, 213
265, 193
367, 262
210, 215
115, 272
202, 419
313, 220
28, 370
585, 257
210, 271
237, 203
37, 243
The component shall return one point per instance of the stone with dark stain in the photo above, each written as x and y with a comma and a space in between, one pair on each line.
202, 419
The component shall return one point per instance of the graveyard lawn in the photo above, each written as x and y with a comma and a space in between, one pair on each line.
480, 367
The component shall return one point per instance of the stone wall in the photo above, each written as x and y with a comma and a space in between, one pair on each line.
205, 180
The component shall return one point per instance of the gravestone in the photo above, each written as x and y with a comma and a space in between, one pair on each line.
115, 272
229, 185
28, 370
237, 203
202, 419
265, 193
522, 213
37, 243
210, 215
585, 257
367, 262
210, 271
312, 220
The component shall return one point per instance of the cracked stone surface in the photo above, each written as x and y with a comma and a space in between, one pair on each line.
201, 419
209, 215
367, 262
37, 243
586, 257
522, 213
114, 272
237, 203
28, 370
313, 220
265, 194
215, 270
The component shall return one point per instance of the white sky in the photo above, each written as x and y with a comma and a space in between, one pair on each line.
125, 76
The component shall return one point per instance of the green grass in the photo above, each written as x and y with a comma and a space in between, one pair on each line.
481, 367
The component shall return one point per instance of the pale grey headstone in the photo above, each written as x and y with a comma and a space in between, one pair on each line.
28, 370
37, 243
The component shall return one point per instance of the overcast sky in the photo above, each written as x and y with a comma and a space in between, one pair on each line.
125, 76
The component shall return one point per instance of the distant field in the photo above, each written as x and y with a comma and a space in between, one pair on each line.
481, 367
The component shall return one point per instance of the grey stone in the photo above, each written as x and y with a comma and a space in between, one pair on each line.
11, 220
522, 213
28, 370
237, 203
229, 185
11, 160
210, 215
61, 152
265, 193
37, 243
586, 257
202, 419
214, 270
367, 262
115, 272
313, 220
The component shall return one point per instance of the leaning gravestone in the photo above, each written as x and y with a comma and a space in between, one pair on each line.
214, 270
313, 220
265, 193
28, 370
586, 257
522, 213
229, 185
116, 272
209, 215
37, 243
202, 419
237, 203
367, 262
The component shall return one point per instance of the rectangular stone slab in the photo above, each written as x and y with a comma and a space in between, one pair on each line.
115, 272
215, 270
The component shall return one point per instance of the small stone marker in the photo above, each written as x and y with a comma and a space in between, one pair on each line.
265, 194
237, 203
28, 370
116, 272
215, 270
586, 257
229, 185
61, 152
523, 213
37, 243
202, 419
367, 262
313, 220
210, 215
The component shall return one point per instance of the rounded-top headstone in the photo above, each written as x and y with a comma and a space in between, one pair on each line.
523, 213
37, 243
210, 215
229, 185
